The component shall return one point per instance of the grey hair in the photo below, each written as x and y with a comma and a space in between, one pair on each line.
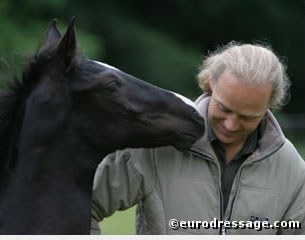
252, 63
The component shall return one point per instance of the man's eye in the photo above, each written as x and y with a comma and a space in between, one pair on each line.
248, 118
222, 108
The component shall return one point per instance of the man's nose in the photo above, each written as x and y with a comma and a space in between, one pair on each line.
231, 122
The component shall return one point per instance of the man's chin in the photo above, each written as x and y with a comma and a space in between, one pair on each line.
225, 139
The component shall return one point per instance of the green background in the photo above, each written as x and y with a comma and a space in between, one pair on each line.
163, 42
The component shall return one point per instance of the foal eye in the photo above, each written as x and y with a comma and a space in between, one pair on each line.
113, 86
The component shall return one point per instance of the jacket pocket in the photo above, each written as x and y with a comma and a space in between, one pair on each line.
257, 205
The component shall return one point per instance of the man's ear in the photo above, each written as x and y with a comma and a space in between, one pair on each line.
211, 85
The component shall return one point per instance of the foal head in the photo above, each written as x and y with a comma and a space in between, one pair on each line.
97, 104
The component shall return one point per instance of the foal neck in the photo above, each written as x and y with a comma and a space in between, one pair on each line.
51, 187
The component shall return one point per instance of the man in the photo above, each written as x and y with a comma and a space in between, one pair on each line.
242, 177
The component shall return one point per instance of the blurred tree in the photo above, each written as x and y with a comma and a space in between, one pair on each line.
163, 41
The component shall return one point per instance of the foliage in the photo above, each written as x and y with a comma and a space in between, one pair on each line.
162, 41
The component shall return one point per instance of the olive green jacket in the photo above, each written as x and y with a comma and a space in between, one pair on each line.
169, 184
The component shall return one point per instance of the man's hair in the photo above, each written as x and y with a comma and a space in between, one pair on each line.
253, 64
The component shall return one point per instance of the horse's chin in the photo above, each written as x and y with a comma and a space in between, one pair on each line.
184, 146
186, 141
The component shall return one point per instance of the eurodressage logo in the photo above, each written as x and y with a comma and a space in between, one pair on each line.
259, 219
257, 223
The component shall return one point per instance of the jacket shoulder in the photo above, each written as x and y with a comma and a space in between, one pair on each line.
290, 154
291, 161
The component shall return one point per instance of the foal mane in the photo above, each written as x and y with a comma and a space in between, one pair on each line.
12, 106
57, 51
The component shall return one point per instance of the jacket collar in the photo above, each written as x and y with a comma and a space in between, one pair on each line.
203, 145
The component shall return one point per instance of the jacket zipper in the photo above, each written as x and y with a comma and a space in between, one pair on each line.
237, 187
235, 193
238, 183
222, 230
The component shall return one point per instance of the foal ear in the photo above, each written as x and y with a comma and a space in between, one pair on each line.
67, 47
52, 33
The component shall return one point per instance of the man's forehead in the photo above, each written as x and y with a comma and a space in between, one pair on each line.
235, 109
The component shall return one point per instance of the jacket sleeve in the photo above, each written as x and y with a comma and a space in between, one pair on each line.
119, 183
296, 210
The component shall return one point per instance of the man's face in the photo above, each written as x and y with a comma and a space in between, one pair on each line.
236, 109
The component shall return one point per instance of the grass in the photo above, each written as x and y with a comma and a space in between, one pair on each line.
120, 223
